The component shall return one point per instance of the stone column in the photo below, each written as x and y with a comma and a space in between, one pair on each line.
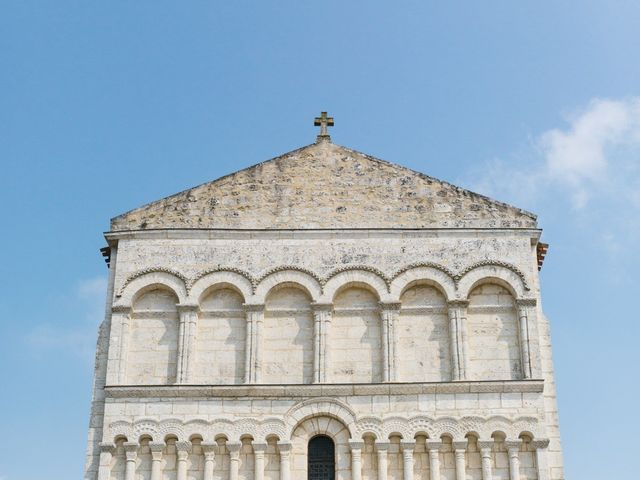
209, 450
182, 452
156, 460
317, 318
407, 459
542, 461
458, 338
131, 455
106, 456
434, 458
513, 447
486, 448
253, 347
285, 460
389, 315
322, 324
186, 342
356, 459
121, 323
234, 459
382, 448
460, 450
259, 450
525, 351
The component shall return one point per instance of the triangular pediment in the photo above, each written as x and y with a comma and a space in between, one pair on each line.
325, 186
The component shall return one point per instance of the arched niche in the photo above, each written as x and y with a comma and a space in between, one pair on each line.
423, 334
221, 338
355, 336
153, 337
493, 335
288, 335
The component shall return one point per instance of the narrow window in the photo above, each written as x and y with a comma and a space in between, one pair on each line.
321, 459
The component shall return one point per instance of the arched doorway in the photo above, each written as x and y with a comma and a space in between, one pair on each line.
321, 459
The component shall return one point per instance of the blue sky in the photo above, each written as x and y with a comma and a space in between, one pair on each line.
105, 106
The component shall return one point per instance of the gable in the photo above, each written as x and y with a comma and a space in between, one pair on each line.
324, 186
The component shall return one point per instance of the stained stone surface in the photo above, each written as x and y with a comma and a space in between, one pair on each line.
325, 186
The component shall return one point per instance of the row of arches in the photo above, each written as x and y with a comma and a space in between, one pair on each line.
357, 337
321, 447
322, 291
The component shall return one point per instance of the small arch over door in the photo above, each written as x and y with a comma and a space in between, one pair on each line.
321, 459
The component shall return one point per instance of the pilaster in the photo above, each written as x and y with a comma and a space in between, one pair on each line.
119, 344
322, 316
486, 449
389, 313
131, 456
460, 452
457, 310
356, 459
382, 449
106, 455
259, 450
209, 450
407, 459
186, 341
234, 459
285, 460
253, 348
156, 460
434, 448
513, 449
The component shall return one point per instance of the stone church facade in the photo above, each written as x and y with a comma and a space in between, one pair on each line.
323, 315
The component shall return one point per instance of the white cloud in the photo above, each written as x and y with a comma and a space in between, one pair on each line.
591, 165
596, 155
594, 150
80, 313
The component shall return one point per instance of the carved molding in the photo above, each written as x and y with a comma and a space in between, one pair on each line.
322, 280
382, 427
322, 390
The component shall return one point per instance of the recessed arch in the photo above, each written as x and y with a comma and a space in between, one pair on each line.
493, 273
148, 281
426, 275
360, 278
303, 279
221, 279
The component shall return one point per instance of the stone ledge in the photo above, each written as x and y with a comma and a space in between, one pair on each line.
302, 391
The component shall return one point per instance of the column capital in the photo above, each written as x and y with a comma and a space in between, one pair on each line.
253, 307
526, 302
284, 447
322, 307
390, 306
188, 307
209, 446
485, 445
234, 448
433, 445
513, 446
107, 447
408, 445
459, 445
183, 446
540, 443
259, 447
458, 303
131, 450
121, 309
382, 446
356, 445
156, 451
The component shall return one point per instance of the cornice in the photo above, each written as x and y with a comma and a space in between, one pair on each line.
315, 390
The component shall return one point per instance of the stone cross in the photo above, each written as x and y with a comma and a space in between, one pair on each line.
323, 121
